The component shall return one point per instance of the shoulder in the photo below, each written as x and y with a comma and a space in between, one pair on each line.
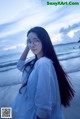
43, 61
30, 59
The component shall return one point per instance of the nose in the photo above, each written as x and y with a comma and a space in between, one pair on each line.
32, 44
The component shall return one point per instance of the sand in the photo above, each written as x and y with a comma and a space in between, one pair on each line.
9, 90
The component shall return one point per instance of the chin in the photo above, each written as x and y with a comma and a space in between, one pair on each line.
34, 52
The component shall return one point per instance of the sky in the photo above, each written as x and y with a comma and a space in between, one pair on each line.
17, 16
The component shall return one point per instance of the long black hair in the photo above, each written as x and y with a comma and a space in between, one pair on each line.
65, 86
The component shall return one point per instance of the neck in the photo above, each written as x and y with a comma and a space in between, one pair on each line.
39, 56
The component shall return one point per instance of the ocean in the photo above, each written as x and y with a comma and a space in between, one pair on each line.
65, 52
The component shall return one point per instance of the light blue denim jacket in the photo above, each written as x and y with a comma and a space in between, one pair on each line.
41, 95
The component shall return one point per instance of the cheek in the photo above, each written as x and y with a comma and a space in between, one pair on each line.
40, 47
29, 47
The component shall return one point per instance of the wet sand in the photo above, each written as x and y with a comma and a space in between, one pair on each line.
73, 112
9, 92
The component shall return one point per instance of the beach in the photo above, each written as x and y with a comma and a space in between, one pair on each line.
10, 81
73, 112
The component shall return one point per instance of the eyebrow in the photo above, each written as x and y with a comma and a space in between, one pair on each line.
33, 38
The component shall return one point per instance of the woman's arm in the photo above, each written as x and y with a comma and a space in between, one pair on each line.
24, 54
21, 61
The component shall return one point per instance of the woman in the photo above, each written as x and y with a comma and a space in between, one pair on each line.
45, 86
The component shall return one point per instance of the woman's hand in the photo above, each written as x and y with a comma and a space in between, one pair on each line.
27, 48
25, 53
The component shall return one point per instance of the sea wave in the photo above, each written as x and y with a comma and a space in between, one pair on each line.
8, 69
11, 65
9, 55
8, 64
69, 52
9, 61
69, 57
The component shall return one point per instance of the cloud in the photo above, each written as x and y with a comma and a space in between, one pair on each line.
6, 26
13, 40
56, 38
29, 14
72, 37
71, 33
26, 20
70, 27
76, 36
14, 47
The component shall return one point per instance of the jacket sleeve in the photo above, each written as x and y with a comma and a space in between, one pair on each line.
20, 65
43, 98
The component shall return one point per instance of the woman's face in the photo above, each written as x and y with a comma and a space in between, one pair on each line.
35, 44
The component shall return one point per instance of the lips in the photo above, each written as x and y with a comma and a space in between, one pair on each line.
33, 49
